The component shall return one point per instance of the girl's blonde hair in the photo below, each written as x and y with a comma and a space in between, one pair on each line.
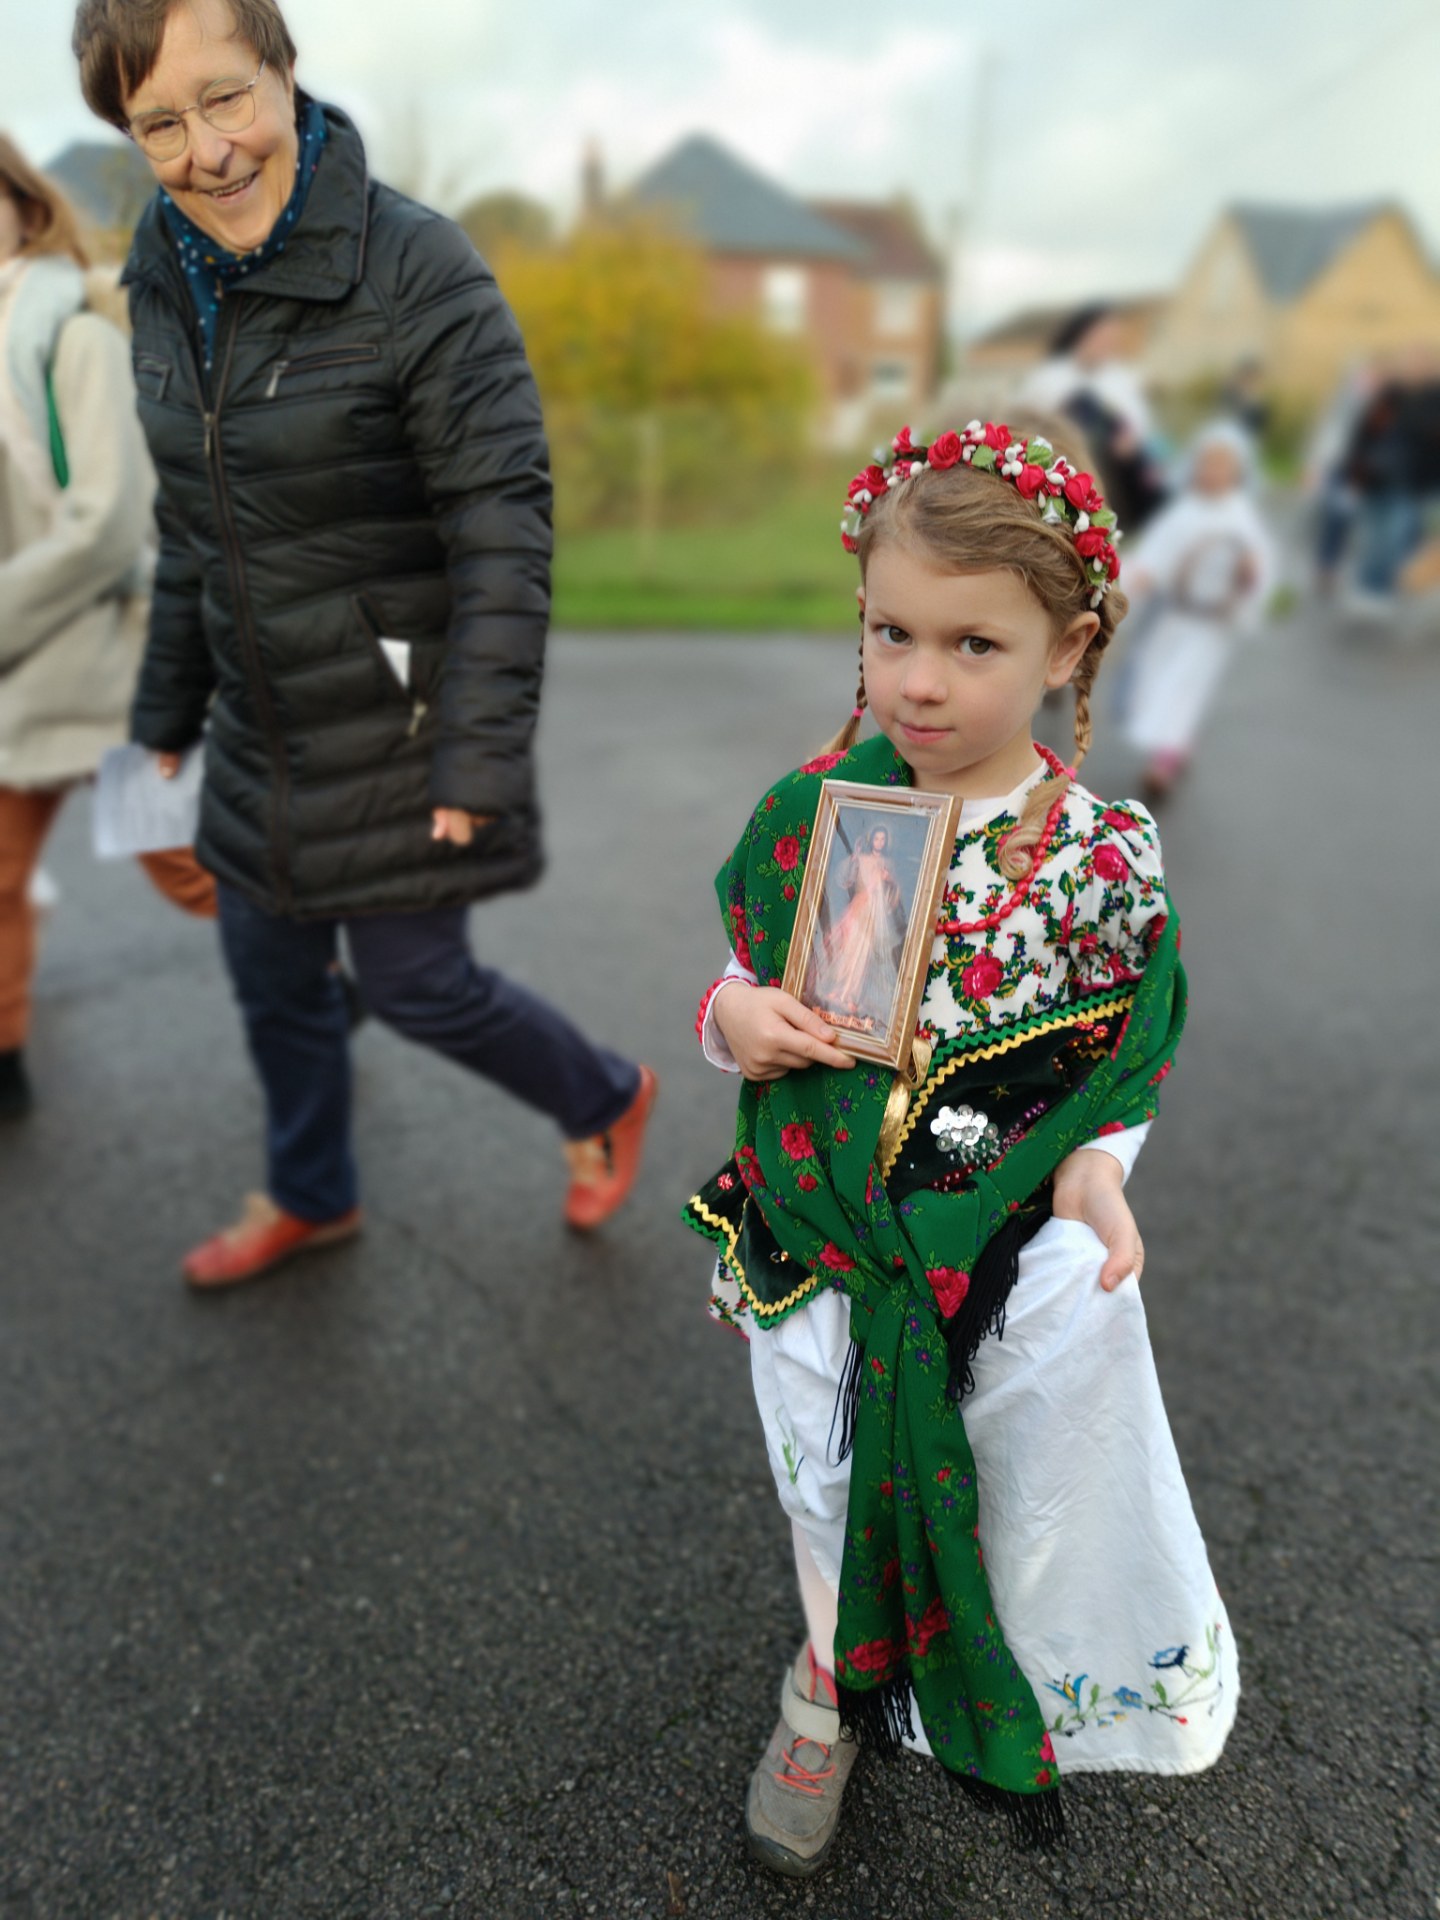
974, 522
47, 220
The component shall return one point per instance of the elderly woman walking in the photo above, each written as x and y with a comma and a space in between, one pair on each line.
350, 605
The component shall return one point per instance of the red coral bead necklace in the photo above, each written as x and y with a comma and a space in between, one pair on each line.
988, 922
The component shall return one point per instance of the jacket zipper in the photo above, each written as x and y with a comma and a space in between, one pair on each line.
249, 643
330, 357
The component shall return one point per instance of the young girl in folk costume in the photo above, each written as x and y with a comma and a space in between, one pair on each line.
996, 1551
1209, 564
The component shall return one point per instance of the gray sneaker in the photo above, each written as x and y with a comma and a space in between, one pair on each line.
793, 1807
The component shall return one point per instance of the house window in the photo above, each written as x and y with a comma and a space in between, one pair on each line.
890, 379
897, 309
783, 292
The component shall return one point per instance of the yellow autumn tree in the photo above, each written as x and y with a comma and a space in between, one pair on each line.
653, 401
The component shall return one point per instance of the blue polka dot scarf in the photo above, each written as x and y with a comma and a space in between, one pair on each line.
210, 271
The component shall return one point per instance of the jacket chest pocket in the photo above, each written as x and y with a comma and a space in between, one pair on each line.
293, 371
152, 375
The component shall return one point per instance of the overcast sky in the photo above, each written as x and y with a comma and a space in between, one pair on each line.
1083, 149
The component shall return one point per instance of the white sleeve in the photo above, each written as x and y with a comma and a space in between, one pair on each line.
1123, 1146
712, 1041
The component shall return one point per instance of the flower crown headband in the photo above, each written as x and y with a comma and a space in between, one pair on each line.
1062, 495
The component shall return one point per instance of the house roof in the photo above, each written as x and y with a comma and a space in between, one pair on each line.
108, 180
1032, 328
895, 247
730, 208
1292, 246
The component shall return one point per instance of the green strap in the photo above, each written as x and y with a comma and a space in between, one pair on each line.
57, 439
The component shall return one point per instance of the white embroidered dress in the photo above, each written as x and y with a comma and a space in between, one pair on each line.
1096, 1564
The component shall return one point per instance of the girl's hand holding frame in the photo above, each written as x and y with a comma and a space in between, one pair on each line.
770, 1033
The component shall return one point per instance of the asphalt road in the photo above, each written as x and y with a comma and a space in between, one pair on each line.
442, 1576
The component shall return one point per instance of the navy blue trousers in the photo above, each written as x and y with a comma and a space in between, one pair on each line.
417, 974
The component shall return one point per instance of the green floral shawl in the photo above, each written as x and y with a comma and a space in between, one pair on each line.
915, 1610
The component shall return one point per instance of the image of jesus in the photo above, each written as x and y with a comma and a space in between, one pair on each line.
853, 973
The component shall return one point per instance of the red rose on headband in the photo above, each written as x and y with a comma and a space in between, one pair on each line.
997, 435
945, 452
1080, 491
1031, 480
1092, 545
902, 443
871, 480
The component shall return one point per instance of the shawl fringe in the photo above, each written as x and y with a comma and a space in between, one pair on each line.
879, 1717
847, 1403
994, 1275
1034, 1819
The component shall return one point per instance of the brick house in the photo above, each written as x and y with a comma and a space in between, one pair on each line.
856, 282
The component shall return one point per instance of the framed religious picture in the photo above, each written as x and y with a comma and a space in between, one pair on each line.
865, 921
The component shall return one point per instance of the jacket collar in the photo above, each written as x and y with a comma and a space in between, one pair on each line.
324, 257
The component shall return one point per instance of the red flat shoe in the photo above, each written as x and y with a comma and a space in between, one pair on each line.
603, 1168
260, 1239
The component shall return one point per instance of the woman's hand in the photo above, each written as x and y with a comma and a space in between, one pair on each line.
457, 826
769, 1032
1090, 1186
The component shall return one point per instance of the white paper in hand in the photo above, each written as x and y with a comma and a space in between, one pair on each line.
397, 652
138, 811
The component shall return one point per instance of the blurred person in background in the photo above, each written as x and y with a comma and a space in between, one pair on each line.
75, 493
1244, 399
351, 601
1394, 467
1207, 566
1086, 379
1327, 473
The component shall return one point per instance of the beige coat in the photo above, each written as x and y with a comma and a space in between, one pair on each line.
70, 635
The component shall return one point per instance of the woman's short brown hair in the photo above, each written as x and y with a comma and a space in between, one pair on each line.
47, 220
117, 43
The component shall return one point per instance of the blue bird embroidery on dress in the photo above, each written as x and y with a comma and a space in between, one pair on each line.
1170, 1657
1069, 1689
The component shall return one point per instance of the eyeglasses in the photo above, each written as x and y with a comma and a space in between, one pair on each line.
226, 105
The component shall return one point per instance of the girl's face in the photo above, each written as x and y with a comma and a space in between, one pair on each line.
956, 665
234, 186
1217, 470
12, 225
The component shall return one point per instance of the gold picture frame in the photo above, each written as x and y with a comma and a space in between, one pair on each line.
865, 920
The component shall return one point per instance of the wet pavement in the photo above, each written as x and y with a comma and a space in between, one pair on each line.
442, 1574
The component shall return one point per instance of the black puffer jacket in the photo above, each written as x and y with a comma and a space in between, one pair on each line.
366, 461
